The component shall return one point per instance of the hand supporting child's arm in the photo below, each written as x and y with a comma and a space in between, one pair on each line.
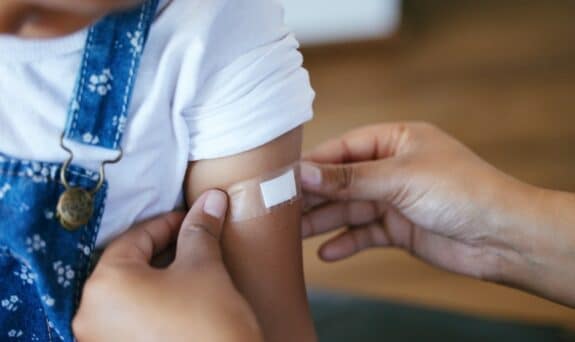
263, 254
191, 299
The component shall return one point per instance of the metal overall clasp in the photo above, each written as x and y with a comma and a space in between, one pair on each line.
75, 206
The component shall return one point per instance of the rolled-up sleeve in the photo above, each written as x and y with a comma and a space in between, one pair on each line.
259, 92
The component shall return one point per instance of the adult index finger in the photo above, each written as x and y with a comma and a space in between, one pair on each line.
145, 240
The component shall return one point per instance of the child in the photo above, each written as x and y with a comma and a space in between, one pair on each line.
171, 92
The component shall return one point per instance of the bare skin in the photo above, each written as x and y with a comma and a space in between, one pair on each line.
193, 299
409, 185
401, 185
263, 255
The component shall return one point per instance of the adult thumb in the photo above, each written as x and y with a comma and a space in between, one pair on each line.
199, 237
365, 181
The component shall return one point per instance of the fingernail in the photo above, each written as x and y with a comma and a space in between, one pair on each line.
329, 253
310, 174
216, 204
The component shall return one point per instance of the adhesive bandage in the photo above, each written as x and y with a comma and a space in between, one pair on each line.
261, 196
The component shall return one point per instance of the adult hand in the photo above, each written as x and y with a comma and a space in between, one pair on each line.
412, 186
193, 299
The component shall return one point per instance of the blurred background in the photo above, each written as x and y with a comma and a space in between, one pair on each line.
498, 75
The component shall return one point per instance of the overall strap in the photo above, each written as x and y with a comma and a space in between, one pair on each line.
114, 47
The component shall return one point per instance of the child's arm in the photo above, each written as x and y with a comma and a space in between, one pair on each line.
263, 254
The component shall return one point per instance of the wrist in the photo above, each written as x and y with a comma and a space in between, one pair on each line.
533, 239
511, 223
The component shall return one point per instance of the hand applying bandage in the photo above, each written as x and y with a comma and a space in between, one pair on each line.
412, 186
193, 299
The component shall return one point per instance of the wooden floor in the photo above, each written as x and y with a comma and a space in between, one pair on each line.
499, 75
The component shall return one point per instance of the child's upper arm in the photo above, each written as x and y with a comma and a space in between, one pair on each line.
263, 254
251, 89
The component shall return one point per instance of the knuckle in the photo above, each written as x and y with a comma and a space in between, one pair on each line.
196, 229
94, 288
414, 135
102, 282
78, 325
404, 134
344, 178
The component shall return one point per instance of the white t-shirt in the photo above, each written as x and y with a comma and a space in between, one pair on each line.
217, 78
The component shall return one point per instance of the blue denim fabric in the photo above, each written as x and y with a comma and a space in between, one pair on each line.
43, 266
111, 60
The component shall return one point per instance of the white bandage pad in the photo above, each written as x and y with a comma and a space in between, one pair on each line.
279, 190
259, 197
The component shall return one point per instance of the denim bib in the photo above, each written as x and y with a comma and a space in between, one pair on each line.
42, 265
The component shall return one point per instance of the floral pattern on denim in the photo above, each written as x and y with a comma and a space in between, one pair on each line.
43, 266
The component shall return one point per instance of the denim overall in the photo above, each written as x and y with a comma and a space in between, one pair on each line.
42, 265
